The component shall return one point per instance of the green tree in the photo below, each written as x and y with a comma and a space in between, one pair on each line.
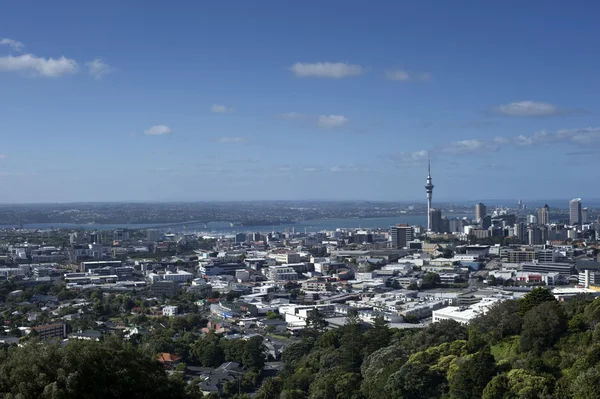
274, 316
352, 342
542, 327
315, 323
270, 389
254, 353
431, 279
502, 320
207, 351
496, 388
586, 385
536, 297
471, 375
378, 335
109, 369
416, 381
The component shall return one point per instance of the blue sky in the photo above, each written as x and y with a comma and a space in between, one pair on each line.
233, 100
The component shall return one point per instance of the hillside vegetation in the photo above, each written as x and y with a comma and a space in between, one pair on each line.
534, 347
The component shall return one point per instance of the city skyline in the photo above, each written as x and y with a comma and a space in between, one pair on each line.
215, 105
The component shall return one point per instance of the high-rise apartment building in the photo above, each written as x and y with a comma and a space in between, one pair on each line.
480, 212
401, 234
435, 217
575, 211
534, 236
585, 216
544, 215
521, 232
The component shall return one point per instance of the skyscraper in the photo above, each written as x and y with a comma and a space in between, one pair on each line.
429, 190
544, 215
435, 220
575, 211
585, 216
534, 235
480, 212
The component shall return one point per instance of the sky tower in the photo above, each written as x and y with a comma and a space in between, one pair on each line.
429, 189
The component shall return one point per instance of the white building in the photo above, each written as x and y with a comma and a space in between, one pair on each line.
464, 314
209, 269
281, 273
170, 310
180, 276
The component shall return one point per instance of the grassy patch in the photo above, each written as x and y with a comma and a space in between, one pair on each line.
506, 349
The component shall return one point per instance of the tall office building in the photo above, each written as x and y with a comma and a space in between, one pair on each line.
585, 216
456, 225
435, 218
534, 235
520, 205
544, 215
575, 211
521, 232
401, 234
480, 212
445, 225
429, 190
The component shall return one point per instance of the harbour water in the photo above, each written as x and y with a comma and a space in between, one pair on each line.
225, 227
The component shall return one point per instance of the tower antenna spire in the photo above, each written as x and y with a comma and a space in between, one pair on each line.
428, 164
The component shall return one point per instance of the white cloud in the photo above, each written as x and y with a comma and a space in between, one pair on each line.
229, 140
18, 46
414, 157
311, 169
2, 156
331, 121
220, 109
292, 115
158, 130
38, 66
464, 147
348, 168
587, 138
404, 76
398, 74
98, 68
333, 70
528, 109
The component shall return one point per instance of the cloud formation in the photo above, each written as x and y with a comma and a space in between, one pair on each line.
38, 66
292, 116
98, 68
528, 109
322, 121
405, 76
158, 130
229, 140
220, 109
582, 138
331, 121
331, 70
15, 45
348, 168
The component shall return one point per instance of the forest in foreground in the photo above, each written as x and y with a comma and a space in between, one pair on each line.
534, 347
